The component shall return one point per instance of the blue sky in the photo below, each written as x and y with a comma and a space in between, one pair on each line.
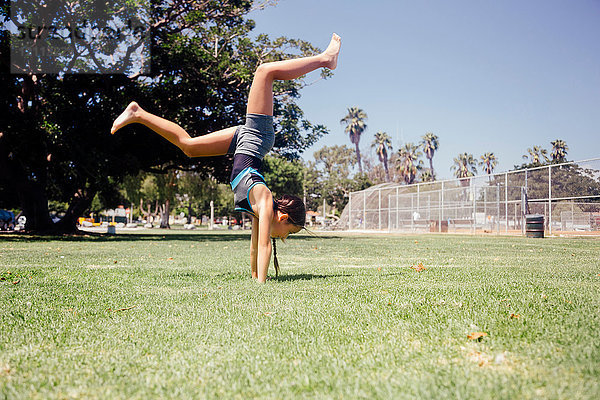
483, 75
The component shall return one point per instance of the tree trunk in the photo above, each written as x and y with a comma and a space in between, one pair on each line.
358, 158
164, 215
385, 165
142, 212
156, 211
189, 207
79, 204
431, 168
30, 194
35, 207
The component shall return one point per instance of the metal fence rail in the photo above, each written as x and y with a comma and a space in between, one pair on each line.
491, 203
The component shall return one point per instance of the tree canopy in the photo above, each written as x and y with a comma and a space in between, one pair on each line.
55, 142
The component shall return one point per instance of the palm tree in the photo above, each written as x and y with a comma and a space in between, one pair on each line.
536, 154
489, 162
426, 176
465, 166
382, 143
355, 126
559, 151
409, 162
430, 145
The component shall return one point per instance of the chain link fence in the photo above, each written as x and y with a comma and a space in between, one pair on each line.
568, 195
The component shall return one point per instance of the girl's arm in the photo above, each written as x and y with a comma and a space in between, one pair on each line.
262, 197
254, 248
264, 244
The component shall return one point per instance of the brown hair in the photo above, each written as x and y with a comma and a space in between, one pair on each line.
294, 207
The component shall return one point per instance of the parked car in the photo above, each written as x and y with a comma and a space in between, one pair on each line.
7, 220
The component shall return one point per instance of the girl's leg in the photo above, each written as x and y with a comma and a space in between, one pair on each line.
260, 98
212, 144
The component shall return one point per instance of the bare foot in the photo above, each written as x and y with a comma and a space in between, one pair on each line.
127, 117
332, 51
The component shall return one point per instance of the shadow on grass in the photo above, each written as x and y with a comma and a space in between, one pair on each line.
308, 277
128, 237
193, 236
237, 276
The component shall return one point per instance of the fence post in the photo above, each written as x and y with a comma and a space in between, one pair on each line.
412, 215
474, 223
441, 214
397, 210
506, 199
350, 211
429, 207
379, 202
365, 210
485, 218
498, 208
573, 214
515, 217
418, 197
389, 212
549, 200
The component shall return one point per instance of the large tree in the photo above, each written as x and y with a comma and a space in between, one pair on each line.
382, 144
536, 155
464, 167
284, 176
336, 180
355, 125
559, 151
54, 142
430, 144
488, 161
409, 162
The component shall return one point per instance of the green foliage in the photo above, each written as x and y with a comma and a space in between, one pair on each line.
283, 176
464, 166
430, 144
409, 162
313, 178
290, 125
96, 206
190, 192
382, 144
559, 151
336, 160
567, 181
57, 207
488, 161
55, 139
336, 181
355, 125
537, 156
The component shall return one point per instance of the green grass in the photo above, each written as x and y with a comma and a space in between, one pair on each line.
348, 318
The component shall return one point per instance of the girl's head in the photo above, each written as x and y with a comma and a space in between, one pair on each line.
289, 216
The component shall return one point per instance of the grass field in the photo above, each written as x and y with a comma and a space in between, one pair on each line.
175, 315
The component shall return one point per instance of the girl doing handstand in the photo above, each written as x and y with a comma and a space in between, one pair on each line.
249, 143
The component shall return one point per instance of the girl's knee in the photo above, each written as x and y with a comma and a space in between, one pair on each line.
264, 70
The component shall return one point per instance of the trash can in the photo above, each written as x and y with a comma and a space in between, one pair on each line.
534, 226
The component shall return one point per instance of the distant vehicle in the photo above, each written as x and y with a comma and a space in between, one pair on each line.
7, 220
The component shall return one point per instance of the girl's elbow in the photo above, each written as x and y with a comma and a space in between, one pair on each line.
188, 151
